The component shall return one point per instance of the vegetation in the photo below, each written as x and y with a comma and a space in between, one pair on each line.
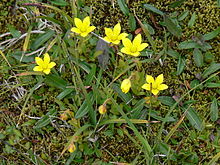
109, 82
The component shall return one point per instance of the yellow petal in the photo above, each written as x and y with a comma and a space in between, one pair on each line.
39, 61
90, 29
155, 91
116, 42
135, 54
125, 85
107, 39
125, 50
86, 22
159, 79
51, 65
149, 79
78, 23
146, 87
38, 68
117, 29
84, 34
162, 87
46, 71
108, 32
126, 42
46, 58
137, 40
142, 46
76, 30
122, 36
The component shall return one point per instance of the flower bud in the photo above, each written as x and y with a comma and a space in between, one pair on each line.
102, 109
126, 85
71, 147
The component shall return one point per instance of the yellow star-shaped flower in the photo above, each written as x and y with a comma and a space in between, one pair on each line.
82, 28
114, 35
125, 85
133, 48
44, 65
154, 85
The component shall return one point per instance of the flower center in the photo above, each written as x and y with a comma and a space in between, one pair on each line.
154, 85
83, 29
133, 49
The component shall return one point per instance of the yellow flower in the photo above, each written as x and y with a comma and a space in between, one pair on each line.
154, 85
44, 64
82, 27
126, 85
114, 35
102, 109
71, 148
133, 48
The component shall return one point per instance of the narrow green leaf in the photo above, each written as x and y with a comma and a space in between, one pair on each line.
91, 75
150, 28
172, 27
167, 100
211, 69
153, 9
192, 20
64, 93
212, 85
42, 39
124, 8
217, 156
59, 2
125, 97
180, 65
132, 22
155, 115
183, 15
177, 3
136, 111
45, 120
198, 57
218, 3
214, 110
173, 53
55, 81
84, 108
212, 34
15, 33
194, 118
188, 45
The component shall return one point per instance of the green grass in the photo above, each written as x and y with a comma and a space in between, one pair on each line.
41, 115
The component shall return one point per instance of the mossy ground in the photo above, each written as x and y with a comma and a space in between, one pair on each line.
187, 143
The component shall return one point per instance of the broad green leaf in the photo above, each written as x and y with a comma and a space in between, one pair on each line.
125, 97
65, 93
209, 57
211, 69
214, 110
192, 20
172, 27
124, 8
173, 53
212, 34
194, 118
150, 28
132, 22
84, 109
194, 83
153, 9
198, 57
45, 120
183, 15
39, 41
59, 2
55, 81
166, 100
15, 33
180, 65
188, 45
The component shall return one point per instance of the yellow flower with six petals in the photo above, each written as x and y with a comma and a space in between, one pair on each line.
44, 65
114, 35
126, 85
154, 85
82, 27
133, 48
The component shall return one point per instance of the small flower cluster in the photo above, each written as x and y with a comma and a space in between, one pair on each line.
113, 36
152, 85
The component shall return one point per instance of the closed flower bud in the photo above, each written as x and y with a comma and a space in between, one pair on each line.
126, 85
71, 148
102, 109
